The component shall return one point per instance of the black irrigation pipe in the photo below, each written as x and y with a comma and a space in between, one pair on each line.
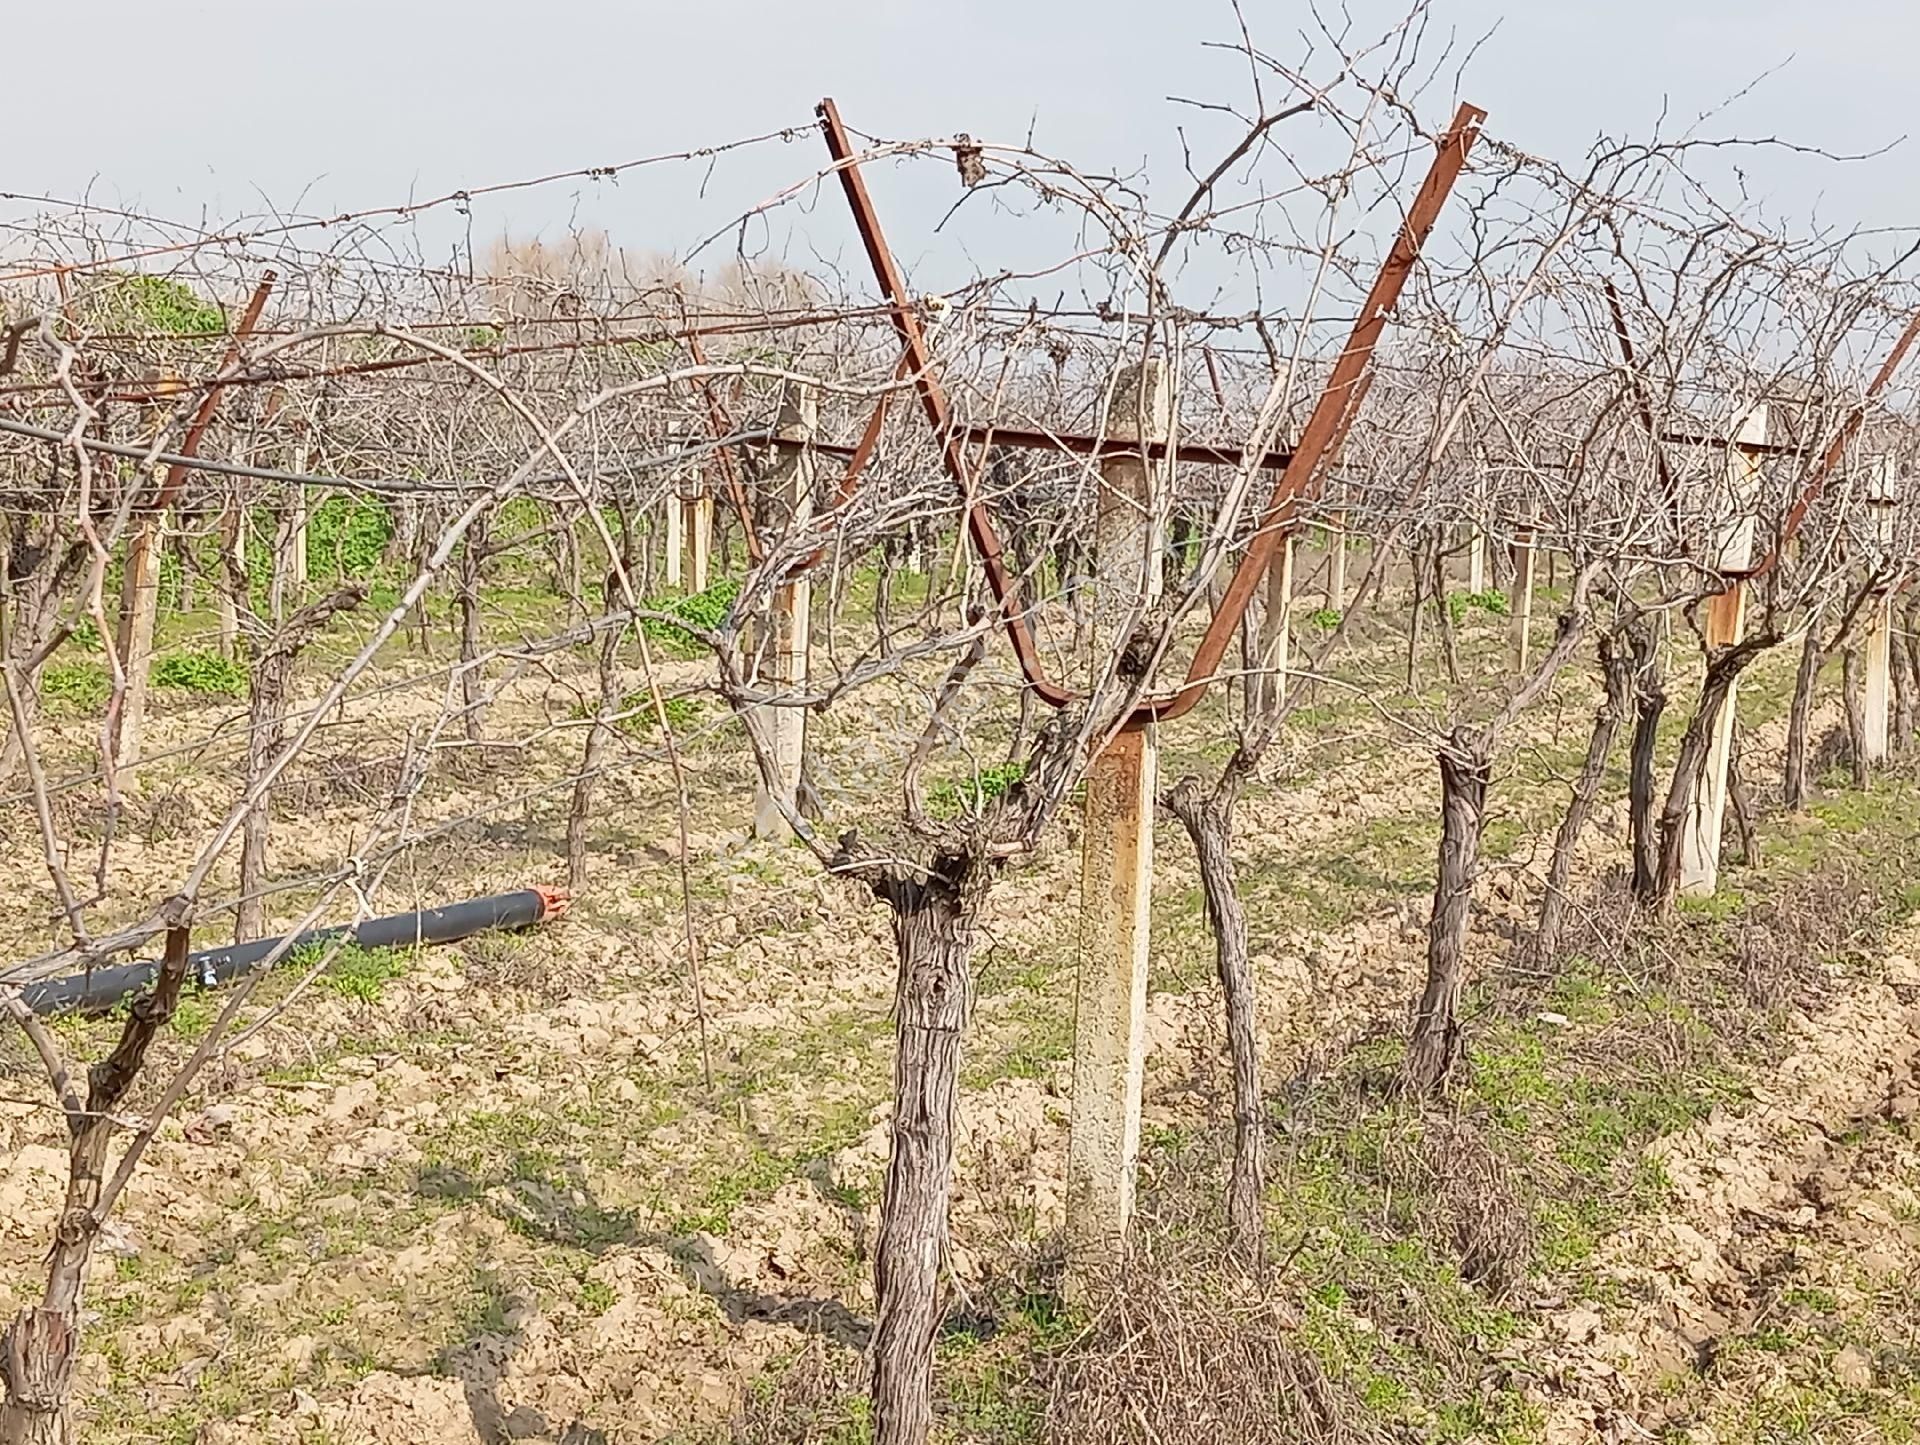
98, 990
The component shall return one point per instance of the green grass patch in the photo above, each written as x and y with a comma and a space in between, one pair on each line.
75, 687
356, 972
950, 798
706, 610
206, 673
1492, 602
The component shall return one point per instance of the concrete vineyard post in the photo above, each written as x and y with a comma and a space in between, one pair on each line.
1279, 621
1110, 1000
675, 516
1524, 555
700, 539
1731, 552
1337, 565
791, 489
1877, 694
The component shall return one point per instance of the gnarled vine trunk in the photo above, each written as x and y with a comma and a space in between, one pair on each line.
1723, 670
1649, 704
1793, 772
472, 557
1616, 671
1740, 800
1209, 822
1853, 695
1435, 1049
593, 754
268, 683
933, 928
42, 1345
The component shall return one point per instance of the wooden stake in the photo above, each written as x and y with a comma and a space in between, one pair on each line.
139, 611
790, 487
1116, 871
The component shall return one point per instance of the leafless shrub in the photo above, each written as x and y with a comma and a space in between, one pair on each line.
1186, 1348
810, 1399
321, 782
1464, 1199
1784, 944
1833, 753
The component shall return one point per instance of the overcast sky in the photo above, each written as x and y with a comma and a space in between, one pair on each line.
200, 108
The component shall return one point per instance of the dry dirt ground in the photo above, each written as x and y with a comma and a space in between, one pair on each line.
507, 1191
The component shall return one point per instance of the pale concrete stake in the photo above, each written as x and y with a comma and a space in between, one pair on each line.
233, 540
700, 540
790, 485
1477, 562
1732, 551
1521, 602
1116, 870
1279, 623
676, 541
290, 556
1337, 565
1883, 497
1878, 691
297, 539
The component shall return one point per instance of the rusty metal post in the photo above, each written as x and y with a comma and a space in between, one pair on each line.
1325, 431
1116, 869
1332, 416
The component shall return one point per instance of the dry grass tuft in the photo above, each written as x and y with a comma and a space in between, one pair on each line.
1186, 1346
812, 1399
1465, 1201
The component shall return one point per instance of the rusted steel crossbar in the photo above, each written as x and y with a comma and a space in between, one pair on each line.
1096, 447
176, 479
1817, 476
1300, 469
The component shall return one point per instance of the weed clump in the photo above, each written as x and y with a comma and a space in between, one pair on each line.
949, 799
206, 673
73, 687
708, 611
1492, 602
356, 972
